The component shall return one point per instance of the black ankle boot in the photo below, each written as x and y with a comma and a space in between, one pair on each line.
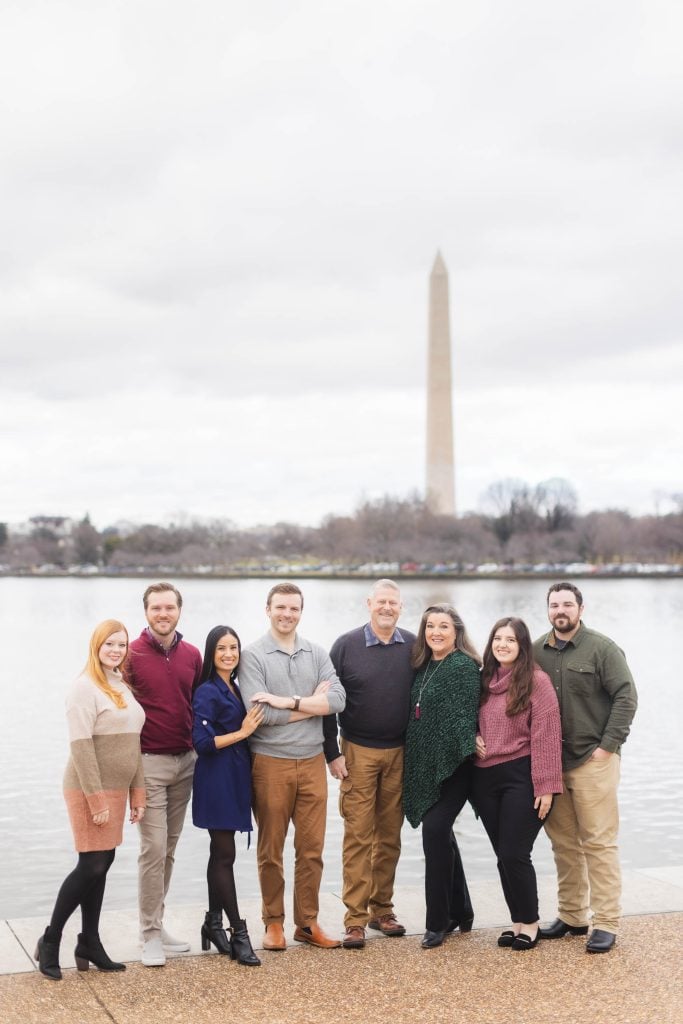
242, 950
47, 955
213, 931
89, 950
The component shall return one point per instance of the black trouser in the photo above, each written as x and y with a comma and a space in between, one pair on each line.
504, 797
446, 893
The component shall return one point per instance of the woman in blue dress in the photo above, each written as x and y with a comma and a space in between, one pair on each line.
221, 794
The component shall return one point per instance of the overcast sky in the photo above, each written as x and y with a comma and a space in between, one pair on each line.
218, 222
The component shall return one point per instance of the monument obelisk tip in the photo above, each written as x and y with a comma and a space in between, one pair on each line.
439, 267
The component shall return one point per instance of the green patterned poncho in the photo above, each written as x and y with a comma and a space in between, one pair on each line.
443, 736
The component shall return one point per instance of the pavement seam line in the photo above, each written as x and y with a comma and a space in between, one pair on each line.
97, 999
21, 945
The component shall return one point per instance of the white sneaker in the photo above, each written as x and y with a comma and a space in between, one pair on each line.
153, 953
172, 945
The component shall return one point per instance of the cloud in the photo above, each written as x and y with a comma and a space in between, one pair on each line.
242, 205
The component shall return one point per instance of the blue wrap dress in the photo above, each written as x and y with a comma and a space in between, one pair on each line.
221, 792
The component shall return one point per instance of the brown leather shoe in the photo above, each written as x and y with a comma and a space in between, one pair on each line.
315, 936
354, 937
274, 939
387, 925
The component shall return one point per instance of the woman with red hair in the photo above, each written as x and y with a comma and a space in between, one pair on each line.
104, 769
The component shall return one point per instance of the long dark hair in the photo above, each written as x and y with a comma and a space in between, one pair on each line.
422, 653
522, 678
208, 666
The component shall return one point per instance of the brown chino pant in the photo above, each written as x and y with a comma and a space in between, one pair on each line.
284, 790
371, 804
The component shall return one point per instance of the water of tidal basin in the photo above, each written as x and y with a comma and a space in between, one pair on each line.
46, 627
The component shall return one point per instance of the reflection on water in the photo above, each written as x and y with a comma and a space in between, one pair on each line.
46, 627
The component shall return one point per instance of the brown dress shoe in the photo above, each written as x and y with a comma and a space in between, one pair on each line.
315, 936
274, 939
387, 925
354, 937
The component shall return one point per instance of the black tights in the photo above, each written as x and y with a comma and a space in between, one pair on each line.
220, 876
84, 886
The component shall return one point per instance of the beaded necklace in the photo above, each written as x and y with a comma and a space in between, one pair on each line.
427, 678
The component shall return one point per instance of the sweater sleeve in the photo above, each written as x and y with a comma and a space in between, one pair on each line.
252, 675
336, 695
546, 738
330, 722
81, 715
138, 794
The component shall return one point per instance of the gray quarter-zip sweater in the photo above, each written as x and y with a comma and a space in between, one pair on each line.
264, 665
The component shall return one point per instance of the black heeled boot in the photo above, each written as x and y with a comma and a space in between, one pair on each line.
47, 955
213, 931
242, 950
89, 950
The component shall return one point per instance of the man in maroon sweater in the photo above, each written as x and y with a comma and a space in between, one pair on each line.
162, 669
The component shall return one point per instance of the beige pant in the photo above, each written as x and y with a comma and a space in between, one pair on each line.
168, 781
371, 804
583, 829
284, 790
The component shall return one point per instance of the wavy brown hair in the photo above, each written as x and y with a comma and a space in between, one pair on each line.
93, 666
422, 653
522, 679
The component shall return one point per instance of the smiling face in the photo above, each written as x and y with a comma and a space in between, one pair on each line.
226, 656
162, 613
385, 608
440, 634
113, 650
564, 613
505, 645
284, 612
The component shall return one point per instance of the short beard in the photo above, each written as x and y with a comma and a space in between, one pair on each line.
566, 629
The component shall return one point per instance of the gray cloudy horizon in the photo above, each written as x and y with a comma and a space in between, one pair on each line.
218, 223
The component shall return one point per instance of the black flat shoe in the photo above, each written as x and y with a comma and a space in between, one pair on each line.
506, 938
430, 940
600, 942
522, 941
557, 929
464, 925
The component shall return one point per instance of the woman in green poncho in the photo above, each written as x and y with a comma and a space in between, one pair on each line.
439, 745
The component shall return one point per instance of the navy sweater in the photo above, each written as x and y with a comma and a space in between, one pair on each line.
377, 681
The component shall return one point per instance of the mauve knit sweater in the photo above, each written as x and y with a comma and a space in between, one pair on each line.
534, 732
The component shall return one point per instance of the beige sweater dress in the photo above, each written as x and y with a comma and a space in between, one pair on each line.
105, 767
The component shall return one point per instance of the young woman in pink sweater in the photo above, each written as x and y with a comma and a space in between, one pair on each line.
519, 768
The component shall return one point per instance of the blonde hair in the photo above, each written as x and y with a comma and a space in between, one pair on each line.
93, 666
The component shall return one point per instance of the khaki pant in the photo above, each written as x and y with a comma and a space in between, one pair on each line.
168, 781
583, 829
371, 804
284, 790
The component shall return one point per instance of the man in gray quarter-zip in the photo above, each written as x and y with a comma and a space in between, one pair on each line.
295, 683
598, 700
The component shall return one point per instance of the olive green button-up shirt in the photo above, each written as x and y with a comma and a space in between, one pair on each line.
595, 689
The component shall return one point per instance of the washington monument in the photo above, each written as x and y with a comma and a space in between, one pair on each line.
440, 490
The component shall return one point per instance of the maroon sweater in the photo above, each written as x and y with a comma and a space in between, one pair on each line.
534, 732
162, 682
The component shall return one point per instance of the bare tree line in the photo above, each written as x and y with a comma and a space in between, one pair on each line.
520, 526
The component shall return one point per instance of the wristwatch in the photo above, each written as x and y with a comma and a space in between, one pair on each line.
297, 701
